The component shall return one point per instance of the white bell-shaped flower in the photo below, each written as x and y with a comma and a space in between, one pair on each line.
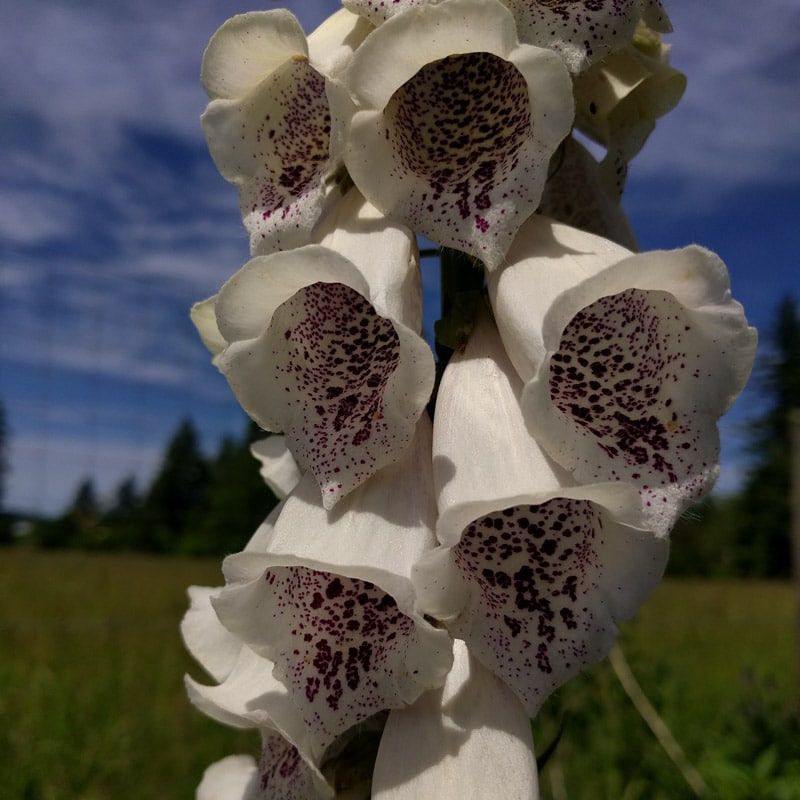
628, 359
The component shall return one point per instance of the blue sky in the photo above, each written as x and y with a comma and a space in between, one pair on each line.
113, 219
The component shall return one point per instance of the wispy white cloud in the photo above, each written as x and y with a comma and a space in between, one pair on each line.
739, 122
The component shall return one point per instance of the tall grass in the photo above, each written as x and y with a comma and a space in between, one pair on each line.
92, 704
715, 659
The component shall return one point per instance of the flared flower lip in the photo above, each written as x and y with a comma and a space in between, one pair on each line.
659, 437
352, 412
268, 120
480, 213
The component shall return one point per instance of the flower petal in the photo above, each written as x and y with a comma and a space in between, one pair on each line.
341, 646
268, 123
584, 31
374, 534
577, 196
332, 44
247, 697
259, 541
546, 260
205, 637
232, 778
545, 586
378, 11
639, 378
274, 145
283, 773
358, 231
250, 697
203, 315
344, 384
332, 603
618, 101
533, 579
278, 469
414, 82
247, 48
471, 738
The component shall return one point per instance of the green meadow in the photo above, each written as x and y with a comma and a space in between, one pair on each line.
92, 705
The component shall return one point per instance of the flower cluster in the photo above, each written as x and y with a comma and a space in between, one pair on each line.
454, 540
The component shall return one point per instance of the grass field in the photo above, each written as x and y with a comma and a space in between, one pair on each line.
92, 704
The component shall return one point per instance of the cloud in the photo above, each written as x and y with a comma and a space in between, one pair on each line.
739, 122
113, 219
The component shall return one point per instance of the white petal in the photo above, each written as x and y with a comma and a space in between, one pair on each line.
537, 590
546, 260
643, 358
584, 31
374, 534
625, 90
278, 469
246, 697
268, 124
205, 637
248, 48
394, 53
332, 44
248, 300
344, 384
472, 738
274, 144
204, 318
378, 11
280, 774
259, 541
250, 697
477, 426
414, 81
284, 774
358, 231
340, 645
618, 102
534, 573
681, 353
577, 196
232, 778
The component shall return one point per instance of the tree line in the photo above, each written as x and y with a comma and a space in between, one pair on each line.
198, 505
749, 534
194, 506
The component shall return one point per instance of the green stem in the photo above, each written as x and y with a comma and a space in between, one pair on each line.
460, 274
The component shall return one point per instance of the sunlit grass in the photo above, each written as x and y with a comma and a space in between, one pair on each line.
92, 703
702, 651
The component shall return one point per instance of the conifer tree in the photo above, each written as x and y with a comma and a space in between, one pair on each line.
5, 518
763, 530
3, 454
178, 493
238, 499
